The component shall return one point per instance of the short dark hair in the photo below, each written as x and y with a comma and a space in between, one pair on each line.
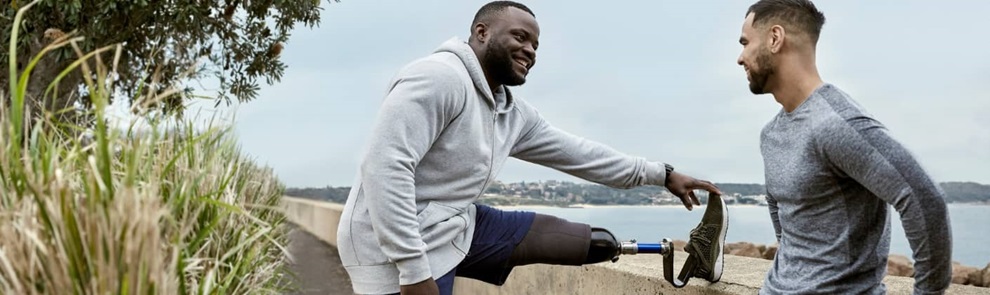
800, 15
495, 7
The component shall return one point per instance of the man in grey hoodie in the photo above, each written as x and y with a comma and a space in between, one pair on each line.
447, 125
833, 170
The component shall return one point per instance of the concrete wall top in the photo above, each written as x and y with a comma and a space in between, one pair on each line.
632, 274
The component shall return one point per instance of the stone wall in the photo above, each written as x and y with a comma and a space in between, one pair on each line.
897, 265
632, 274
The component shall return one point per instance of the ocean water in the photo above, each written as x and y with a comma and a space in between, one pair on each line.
650, 224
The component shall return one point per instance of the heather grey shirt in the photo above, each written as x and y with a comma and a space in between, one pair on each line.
832, 172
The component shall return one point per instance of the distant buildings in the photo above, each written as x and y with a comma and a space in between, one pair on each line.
562, 193
738, 199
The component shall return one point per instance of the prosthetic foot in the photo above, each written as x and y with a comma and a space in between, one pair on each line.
704, 248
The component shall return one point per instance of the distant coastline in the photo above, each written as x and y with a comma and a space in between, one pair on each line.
590, 206
576, 195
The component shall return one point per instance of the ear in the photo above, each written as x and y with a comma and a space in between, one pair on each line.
777, 37
480, 32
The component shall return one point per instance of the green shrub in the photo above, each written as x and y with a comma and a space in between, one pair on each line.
159, 207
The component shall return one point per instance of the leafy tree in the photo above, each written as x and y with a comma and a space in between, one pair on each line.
237, 42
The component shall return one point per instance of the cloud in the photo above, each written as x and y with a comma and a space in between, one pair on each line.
656, 79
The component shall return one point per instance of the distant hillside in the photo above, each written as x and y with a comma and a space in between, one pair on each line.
331, 194
748, 189
956, 192
966, 192
557, 193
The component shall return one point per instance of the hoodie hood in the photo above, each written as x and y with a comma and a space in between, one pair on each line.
499, 99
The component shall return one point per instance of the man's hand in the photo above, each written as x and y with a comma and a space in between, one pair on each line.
427, 287
683, 187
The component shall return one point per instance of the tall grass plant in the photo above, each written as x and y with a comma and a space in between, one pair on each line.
161, 207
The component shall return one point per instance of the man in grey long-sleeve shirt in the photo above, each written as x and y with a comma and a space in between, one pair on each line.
832, 170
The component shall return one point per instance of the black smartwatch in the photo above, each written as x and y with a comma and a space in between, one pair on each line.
669, 170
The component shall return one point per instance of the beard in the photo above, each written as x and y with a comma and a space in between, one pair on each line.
500, 65
758, 78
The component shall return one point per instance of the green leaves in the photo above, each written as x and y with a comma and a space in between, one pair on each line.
163, 207
169, 36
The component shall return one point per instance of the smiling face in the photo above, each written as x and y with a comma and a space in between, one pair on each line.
510, 47
755, 57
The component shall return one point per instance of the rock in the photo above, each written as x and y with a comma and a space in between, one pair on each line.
899, 265
746, 250
960, 273
976, 278
771, 252
984, 277
730, 247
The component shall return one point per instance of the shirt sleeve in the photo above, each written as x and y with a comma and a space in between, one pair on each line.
774, 217
862, 149
549, 146
422, 100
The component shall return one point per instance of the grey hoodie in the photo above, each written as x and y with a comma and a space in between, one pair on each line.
441, 136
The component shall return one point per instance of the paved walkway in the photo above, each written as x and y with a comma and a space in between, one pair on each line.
316, 266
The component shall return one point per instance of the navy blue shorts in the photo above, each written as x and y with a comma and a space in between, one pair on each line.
496, 235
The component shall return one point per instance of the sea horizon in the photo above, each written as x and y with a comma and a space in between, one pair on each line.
751, 223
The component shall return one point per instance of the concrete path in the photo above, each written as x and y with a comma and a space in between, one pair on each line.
317, 267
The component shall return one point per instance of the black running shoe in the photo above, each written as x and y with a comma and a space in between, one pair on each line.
707, 241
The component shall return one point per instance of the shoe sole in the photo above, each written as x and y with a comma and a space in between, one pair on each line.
717, 271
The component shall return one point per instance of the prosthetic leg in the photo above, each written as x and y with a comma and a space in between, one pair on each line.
705, 247
603, 246
606, 248
553, 240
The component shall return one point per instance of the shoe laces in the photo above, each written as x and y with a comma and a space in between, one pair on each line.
703, 235
701, 240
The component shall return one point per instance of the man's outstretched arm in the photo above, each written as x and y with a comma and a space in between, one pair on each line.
864, 151
423, 99
549, 146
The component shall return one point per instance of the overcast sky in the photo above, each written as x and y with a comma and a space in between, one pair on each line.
651, 78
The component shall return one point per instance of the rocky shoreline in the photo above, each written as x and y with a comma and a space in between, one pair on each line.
897, 265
